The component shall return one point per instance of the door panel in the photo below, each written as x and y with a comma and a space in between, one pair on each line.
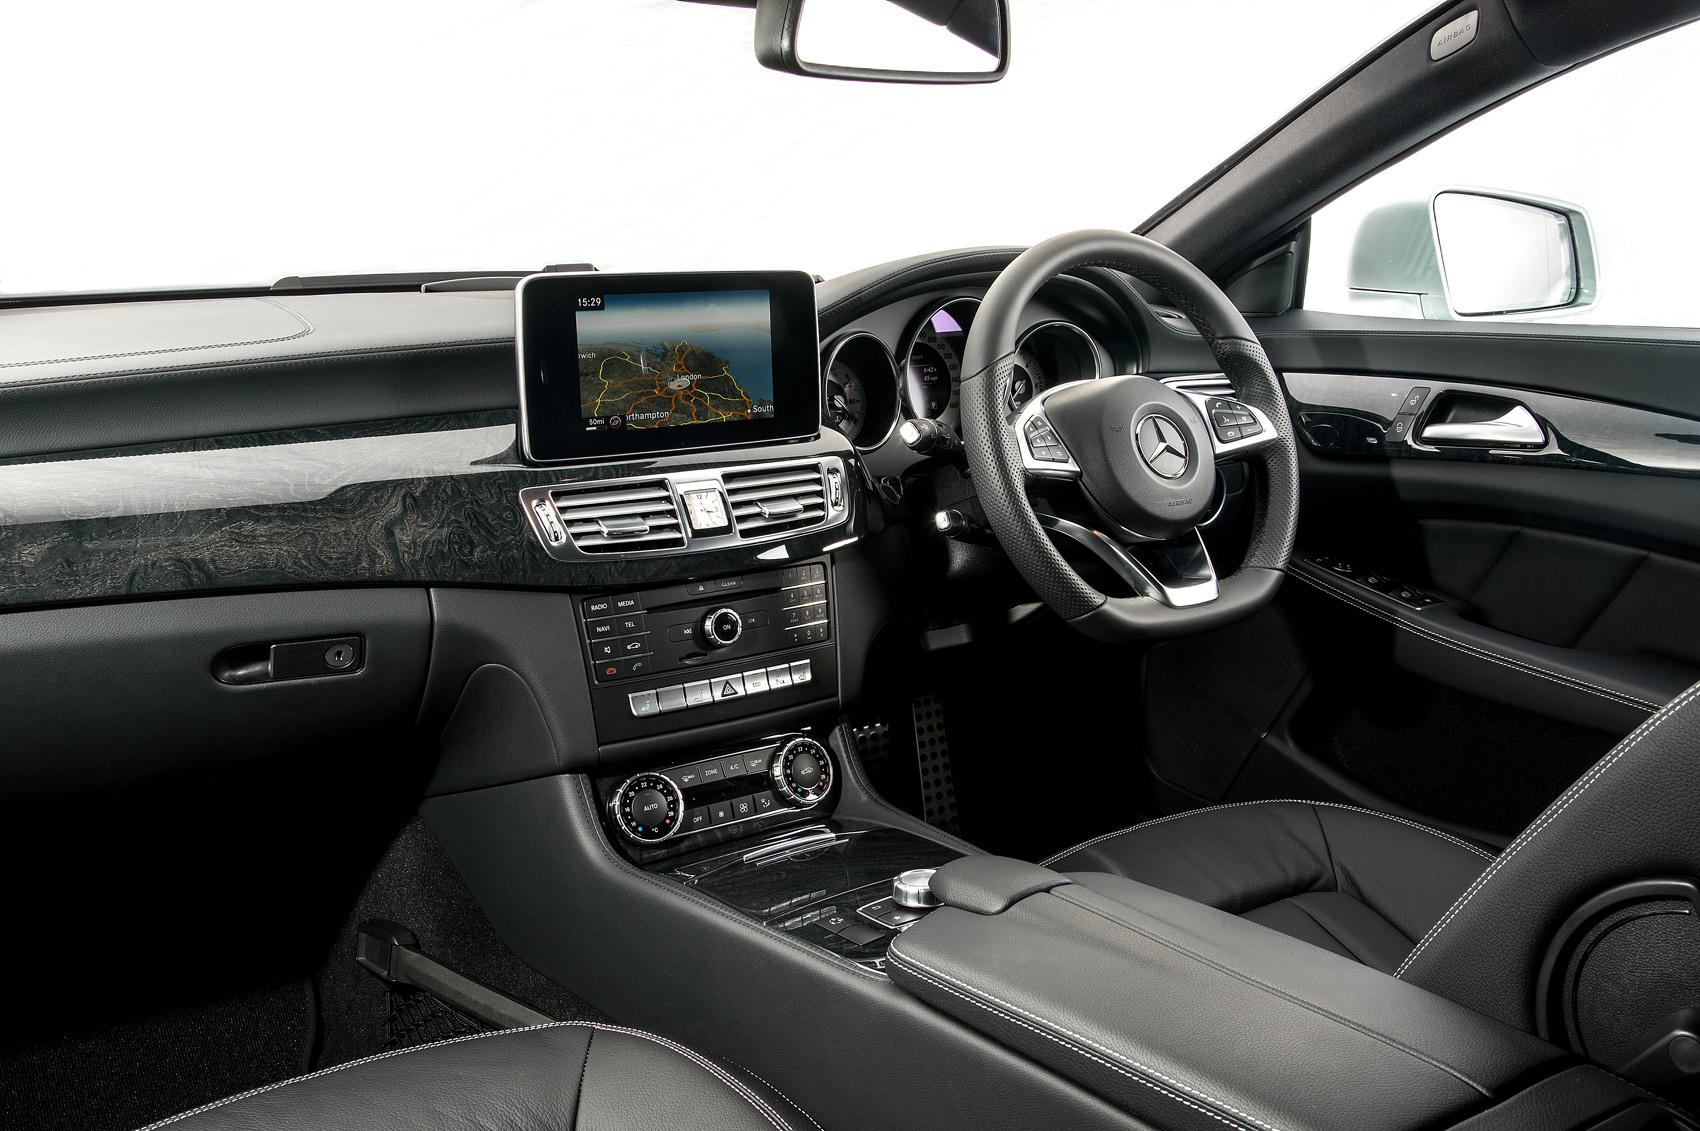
1563, 579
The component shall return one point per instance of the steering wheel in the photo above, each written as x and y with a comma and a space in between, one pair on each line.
1143, 454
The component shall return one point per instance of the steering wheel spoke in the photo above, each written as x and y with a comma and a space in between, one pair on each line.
1043, 453
1177, 573
1235, 427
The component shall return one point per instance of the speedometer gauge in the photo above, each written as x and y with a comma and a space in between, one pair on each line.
860, 398
932, 378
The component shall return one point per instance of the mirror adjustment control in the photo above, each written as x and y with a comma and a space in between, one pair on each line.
721, 628
801, 773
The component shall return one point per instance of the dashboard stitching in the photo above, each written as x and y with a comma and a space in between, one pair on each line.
246, 366
1138, 1075
1572, 682
306, 328
1461, 843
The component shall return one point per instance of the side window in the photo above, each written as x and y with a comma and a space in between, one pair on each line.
1574, 202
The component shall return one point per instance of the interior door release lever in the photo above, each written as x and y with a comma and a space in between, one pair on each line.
1516, 427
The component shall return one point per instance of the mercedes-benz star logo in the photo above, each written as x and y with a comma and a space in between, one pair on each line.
1162, 445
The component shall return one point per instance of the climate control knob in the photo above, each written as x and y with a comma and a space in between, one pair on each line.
722, 627
802, 773
647, 808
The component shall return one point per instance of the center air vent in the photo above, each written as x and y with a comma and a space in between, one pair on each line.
630, 515
772, 500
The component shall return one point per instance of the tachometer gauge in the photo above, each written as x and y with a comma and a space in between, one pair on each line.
861, 389
932, 380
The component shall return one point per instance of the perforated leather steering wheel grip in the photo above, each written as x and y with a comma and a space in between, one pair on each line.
990, 443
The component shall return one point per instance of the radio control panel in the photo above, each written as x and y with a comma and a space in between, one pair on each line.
678, 656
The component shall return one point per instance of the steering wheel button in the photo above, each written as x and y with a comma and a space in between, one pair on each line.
1227, 435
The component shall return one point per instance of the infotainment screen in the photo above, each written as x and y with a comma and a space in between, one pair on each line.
617, 365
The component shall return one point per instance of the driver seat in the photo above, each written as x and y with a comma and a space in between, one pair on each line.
1444, 914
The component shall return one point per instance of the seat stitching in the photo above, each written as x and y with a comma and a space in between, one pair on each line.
1579, 787
252, 1092
1138, 1076
781, 1095
1049, 860
761, 1106
1286, 995
583, 1071
1573, 682
737, 1085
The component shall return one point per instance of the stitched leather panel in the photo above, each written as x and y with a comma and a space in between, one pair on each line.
1630, 816
547, 1078
1194, 1018
1239, 858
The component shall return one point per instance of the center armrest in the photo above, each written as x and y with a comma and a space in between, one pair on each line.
1189, 1016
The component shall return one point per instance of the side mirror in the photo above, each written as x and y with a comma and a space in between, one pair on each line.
918, 41
1467, 253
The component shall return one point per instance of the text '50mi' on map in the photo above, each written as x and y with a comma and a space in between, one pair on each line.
665, 360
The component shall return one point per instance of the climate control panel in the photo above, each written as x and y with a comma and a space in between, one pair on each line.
785, 776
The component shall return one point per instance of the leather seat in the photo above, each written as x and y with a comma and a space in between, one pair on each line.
1361, 884
547, 1078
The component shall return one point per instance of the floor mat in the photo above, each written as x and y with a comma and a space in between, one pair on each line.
416, 884
125, 1075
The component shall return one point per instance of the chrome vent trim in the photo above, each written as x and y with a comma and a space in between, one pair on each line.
1204, 384
776, 500
623, 516
646, 517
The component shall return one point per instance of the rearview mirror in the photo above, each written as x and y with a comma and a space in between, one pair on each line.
1467, 253
919, 41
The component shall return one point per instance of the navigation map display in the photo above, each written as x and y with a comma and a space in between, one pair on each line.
614, 365
671, 360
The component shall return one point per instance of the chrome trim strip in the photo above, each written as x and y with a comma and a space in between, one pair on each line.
1180, 574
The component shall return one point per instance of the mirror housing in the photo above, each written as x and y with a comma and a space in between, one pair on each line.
810, 37
1475, 253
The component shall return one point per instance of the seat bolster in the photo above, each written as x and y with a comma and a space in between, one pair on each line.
549, 1078
1233, 858
1407, 874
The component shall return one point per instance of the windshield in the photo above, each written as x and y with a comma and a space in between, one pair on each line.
182, 144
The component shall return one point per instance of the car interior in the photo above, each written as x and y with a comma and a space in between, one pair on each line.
1075, 685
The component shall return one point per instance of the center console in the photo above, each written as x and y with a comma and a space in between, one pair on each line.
754, 829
